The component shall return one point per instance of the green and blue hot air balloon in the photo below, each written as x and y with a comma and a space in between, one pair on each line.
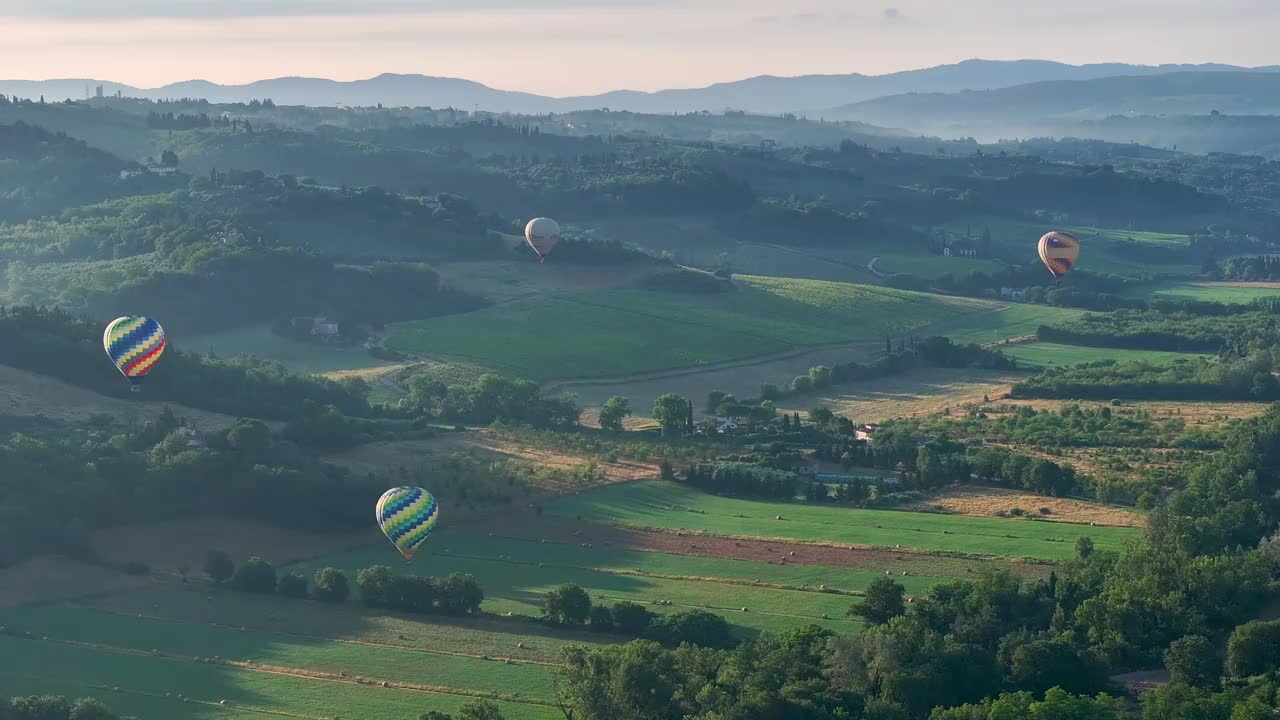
134, 343
407, 515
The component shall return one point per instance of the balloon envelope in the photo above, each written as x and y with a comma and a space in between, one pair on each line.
1058, 252
134, 343
407, 515
542, 234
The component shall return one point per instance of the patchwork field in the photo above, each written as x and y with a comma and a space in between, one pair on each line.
655, 504
1223, 292
585, 334
1044, 354
744, 378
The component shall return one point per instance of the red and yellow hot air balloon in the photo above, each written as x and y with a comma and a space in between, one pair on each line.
1058, 252
542, 234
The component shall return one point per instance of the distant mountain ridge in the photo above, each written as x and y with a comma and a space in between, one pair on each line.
764, 94
1252, 92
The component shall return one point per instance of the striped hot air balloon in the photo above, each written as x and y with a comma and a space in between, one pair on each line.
134, 343
1058, 252
407, 515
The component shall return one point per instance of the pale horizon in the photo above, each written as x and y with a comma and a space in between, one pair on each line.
576, 47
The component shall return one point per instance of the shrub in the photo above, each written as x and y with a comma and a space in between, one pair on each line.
600, 619
331, 585
218, 566
292, 585
256, 576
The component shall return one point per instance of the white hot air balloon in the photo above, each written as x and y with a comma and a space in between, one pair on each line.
542, 234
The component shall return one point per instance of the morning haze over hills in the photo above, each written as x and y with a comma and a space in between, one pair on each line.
763, 94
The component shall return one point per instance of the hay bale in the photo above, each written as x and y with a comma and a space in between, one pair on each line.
745, 610
223, 702
904, 573
384, 684
777, 517
520, 645
822, 587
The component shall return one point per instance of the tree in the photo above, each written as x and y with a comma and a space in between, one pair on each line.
479, 710
218, 566
88, 709
631, 618
714, 400
666, 471
567, 605
255, 575
376, 584
169, 158
292, 585
600, 619
820, 376
1044, 664
1084, 547
670, 410
612, 413
435, 715
697, 627
882, 602
801, 384
1192, 660
458, 594
330, 586
1254, 649
820, 415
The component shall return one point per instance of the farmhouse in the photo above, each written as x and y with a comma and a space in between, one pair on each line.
865, 431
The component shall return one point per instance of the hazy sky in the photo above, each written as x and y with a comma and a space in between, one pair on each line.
567, 47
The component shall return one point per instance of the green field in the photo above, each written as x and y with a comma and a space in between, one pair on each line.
1241, 293
620, 332
1015, 320
259, 341
1044, 354
54, 667
658, 504
192, 640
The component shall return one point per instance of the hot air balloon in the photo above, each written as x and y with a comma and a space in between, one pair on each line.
134, 344
1058, 252
542, 234
407, 515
